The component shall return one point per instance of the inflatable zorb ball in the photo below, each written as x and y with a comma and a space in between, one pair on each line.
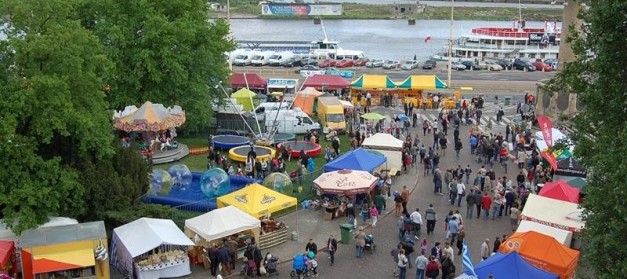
279, 182
160, 183
181, 176
215, 182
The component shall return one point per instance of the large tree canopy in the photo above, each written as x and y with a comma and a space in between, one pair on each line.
164, 51
52, 110
598, 76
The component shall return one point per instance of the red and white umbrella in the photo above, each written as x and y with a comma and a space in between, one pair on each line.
345, 182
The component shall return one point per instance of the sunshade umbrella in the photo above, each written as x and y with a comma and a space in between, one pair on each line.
345, 182
149, 118
402, 117
372, 116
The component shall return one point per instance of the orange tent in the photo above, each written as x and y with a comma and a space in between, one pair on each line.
306, 99
544, 252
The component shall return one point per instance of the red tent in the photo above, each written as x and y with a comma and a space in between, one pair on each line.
7, 249
328, 81
247, 80
560, 190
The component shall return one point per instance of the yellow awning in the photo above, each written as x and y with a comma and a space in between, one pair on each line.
257, 200
63, 261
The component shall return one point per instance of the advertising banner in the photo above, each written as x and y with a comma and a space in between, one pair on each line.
301, 9
542, 38
282, 83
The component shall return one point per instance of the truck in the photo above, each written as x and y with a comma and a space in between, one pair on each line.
331, 113
293, 121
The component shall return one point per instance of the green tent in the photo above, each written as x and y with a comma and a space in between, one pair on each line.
422, 82
245, 98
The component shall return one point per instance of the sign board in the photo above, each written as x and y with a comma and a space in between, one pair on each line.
308, 73
542, 38
282, 83
293, 9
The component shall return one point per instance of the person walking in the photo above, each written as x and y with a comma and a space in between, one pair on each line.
402, 264
458, 148
432, 271
416, 223
478, 202
470, 203
461, 235
461, 192
212, 254
394, 253
332, 248
486, 204
431, 217
405, 196
421, 265
360, 242
374, 213
437, 181
514, 215
225, 260
485, 249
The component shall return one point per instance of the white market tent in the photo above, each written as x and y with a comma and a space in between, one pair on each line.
387, 145
220, 223
554, 213
142, 236
562, 236
557, 135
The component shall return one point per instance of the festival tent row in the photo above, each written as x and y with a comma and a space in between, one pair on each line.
387, 145
358, 159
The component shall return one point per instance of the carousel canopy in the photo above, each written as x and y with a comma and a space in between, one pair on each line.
149, 118
374, 81
422, 82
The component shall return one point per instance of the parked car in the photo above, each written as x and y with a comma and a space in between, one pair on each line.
327, 63
492, 66
523, 65
506, 64
374, 63
345, 63
292, 62
471, 65
554, 66
550, 61
308, 61
457, 66
541, 66
360, 62
391, 64
429, 65
410, 65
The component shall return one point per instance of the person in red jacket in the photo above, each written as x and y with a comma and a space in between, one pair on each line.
486, 203
433, 268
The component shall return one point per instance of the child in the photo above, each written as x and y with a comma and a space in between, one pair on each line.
374, 213
313, 264
424, 246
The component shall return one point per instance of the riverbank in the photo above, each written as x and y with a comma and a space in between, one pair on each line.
367, 11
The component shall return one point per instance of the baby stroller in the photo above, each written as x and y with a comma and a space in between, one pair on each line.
370, 246
270, 264
299, 267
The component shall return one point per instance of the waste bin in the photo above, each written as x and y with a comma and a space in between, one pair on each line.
346, 233
508, 99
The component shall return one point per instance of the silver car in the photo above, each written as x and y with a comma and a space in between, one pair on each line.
491, 66
391, 64
458, 66
410, 65
374, 63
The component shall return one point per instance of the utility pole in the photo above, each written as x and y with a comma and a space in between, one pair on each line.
450, 46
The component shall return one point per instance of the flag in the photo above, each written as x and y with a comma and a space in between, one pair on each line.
547, 129
467, 266
427, 38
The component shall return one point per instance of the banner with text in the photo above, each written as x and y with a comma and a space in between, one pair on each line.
301, 9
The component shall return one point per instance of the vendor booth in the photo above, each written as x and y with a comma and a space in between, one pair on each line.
69, 251
307, 100
327, 82
556, 136
261, 202
377, 86
8, 264
245, 98
151, 248
568, 168
214, 226
247, 80
358, 159
287, 86
510, 266
544, 252
560, 190
562, 236
555, 213
387, 145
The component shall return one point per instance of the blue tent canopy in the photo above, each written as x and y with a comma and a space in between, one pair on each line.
358, 159
511, 266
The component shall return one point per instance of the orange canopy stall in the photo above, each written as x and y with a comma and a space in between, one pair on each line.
306, 100
544, 252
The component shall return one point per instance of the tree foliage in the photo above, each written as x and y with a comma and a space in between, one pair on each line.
598, 76
164, 51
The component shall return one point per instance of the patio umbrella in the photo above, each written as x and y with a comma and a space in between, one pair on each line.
402, 117
372, 116
148, 118
345, 182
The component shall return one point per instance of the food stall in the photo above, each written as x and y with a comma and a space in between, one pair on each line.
555, 213
7, 258
261, 202
151, 248
214, 226
387, 145
69, 251
562, 236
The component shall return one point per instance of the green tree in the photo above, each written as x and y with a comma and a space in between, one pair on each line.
164, 51
598, 77
52, 109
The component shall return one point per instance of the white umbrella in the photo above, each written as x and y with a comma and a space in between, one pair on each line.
345, 182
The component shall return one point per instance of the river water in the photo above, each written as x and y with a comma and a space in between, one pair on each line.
385, 39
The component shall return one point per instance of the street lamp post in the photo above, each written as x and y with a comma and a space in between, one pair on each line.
450, 46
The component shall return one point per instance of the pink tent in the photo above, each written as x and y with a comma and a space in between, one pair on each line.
560, 190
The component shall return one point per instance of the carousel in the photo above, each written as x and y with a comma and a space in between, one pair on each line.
151, 129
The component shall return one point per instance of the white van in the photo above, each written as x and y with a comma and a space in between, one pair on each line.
278, 58
293, 121
263, 108
243, 58
260, 59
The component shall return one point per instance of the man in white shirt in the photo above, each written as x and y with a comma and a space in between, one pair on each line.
485, 249
416, 222
461, 192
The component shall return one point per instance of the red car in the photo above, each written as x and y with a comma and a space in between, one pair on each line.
360, 62
345, 63
541, 66
327, 63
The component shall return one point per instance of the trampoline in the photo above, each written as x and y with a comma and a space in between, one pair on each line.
226, 142
240, 153
311, 149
